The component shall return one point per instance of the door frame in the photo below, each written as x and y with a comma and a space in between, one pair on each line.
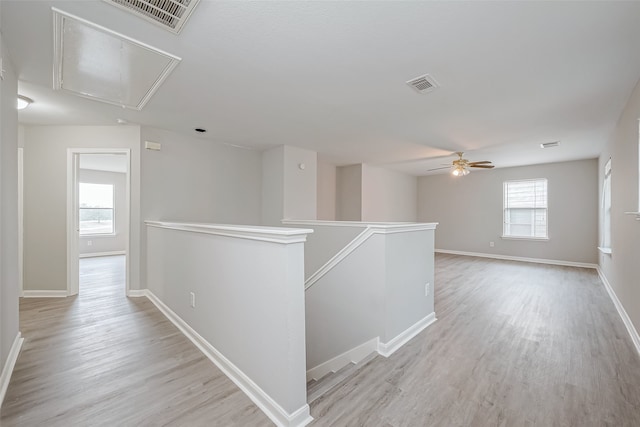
73, 232
21, 221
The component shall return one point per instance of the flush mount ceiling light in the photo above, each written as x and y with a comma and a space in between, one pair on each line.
23, 102
94, 62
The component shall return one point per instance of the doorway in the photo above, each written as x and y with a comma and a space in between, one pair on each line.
98, 209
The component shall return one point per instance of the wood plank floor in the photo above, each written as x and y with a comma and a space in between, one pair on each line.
515, 344
101, 359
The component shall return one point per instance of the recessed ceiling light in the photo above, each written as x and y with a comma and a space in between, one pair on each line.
23, 102
200, 130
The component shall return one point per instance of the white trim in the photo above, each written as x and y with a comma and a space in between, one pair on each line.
522, 259
28, 293
359, 240
542, 239
633, 333
388, 348
637, 214
20, 220
272, 409
137, 293
7, 369
405, 226
265, 234
354, 355
97, 254
604, 250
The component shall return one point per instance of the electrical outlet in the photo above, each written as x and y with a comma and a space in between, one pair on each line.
427, 289
192, 299
89, 242
491, 244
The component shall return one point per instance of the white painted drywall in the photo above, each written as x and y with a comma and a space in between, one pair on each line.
325, 242
326, 191
289, 184
9, 207
300, 183
45, 198
349, 193
388, 195
249, 302
376, 291
273, 186
103, 243
198, 180
622, 267
469, 211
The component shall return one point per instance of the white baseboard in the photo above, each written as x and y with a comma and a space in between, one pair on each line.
388, 348
7, 370
517, 258
27, 293
137, 293
97, 254
272, 409
354, 355
635, 338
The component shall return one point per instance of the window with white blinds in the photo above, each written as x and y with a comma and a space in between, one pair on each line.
525, 209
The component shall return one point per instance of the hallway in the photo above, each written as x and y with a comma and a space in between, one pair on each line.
101, 359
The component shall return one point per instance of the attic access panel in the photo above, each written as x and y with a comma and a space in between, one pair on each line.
96, 63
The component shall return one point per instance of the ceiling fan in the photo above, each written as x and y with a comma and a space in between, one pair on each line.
460, 166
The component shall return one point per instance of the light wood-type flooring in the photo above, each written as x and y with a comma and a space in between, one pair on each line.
515, 344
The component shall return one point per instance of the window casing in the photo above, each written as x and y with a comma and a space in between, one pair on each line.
96, 210
606, 207
525, 212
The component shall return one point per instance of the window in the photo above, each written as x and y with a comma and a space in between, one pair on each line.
96, 209
525, 209
606, 209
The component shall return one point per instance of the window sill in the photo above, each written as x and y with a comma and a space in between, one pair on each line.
604, 250
637, 214
541, 239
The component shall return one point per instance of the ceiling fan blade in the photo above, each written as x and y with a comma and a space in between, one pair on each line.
482, 166
479, 163
437, 169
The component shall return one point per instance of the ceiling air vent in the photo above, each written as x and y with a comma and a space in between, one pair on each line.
549, 144
423, 84
169, 14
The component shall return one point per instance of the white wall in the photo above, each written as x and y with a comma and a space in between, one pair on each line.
469, 211
388, 195
326, 191
273, 186
45, 198
289, 184
249, 302
117, 242
349, 193
198, 180
622, 267
9, 208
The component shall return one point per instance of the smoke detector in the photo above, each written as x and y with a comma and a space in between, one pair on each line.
423, 84
169, 14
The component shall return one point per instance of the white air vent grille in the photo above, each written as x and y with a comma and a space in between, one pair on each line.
423, 84
549, 144
170, 14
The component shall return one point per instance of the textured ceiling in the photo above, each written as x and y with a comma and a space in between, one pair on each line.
330, 76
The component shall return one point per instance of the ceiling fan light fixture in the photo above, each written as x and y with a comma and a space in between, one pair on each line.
460, 171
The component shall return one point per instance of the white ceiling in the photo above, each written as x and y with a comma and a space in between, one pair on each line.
330, 76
